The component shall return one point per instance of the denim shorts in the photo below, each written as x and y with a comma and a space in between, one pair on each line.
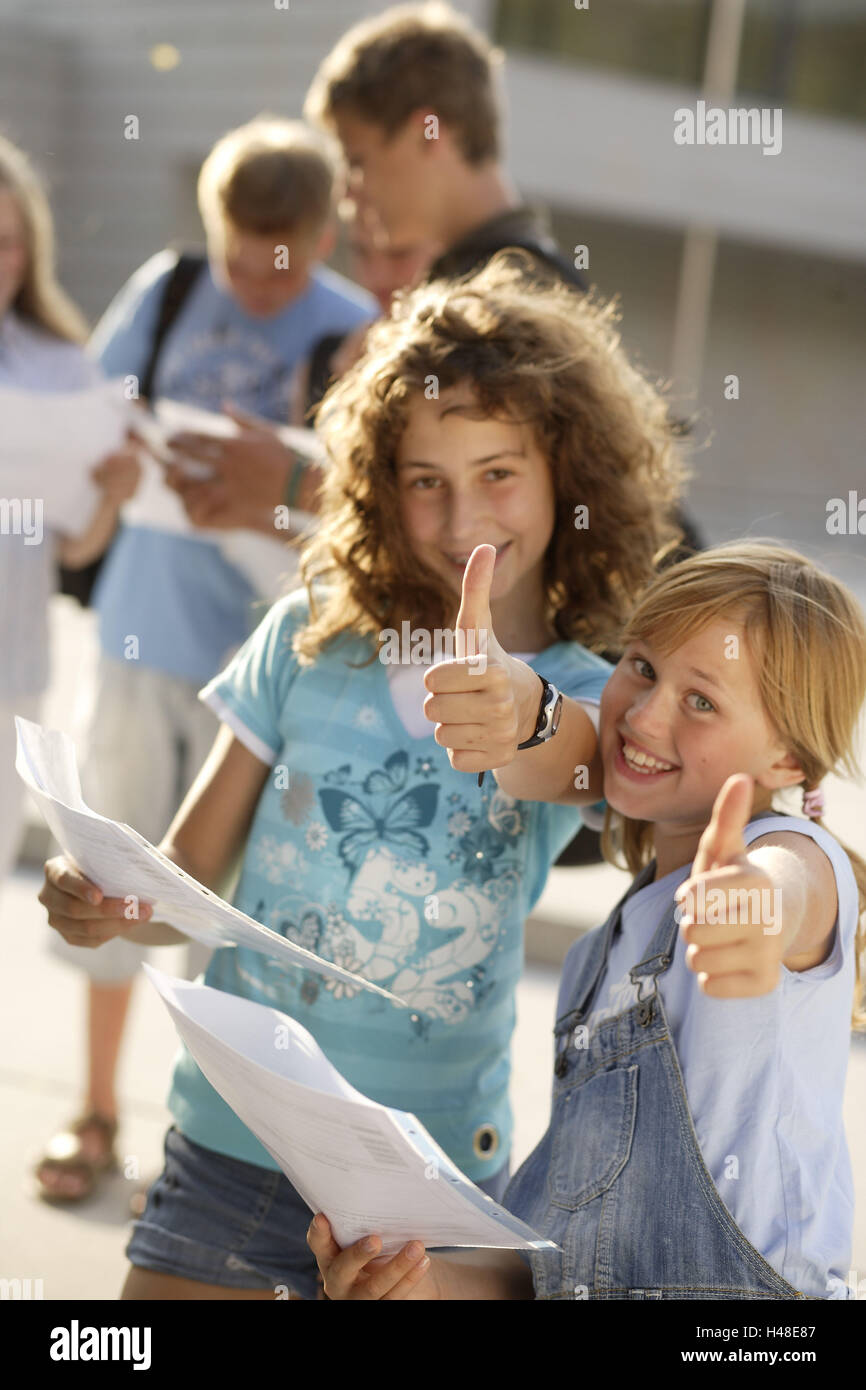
220, 1221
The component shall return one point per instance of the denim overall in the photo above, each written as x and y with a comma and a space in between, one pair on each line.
618, 1181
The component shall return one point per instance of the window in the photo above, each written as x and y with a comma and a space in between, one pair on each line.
805, 54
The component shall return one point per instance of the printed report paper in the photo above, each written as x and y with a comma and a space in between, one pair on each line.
50, 442
266, 561
123, 864
370, 1168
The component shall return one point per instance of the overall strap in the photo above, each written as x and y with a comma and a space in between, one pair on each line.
596, 963
661, 949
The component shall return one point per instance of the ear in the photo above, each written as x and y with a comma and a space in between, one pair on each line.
784, 771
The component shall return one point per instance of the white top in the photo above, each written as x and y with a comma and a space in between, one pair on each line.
32, 360
764, 1078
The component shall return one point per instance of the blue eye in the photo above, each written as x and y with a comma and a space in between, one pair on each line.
648, 673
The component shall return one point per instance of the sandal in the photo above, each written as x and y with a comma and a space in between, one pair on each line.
65, 1154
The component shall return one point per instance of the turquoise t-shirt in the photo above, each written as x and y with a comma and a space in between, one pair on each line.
379, 856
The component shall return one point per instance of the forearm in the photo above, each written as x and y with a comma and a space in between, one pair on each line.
486, 1275
309, 488
156, 933
567, 768
77, 551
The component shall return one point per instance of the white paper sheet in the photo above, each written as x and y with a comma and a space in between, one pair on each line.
123, 864
50, 442
369, 1168
170, 417
266, 561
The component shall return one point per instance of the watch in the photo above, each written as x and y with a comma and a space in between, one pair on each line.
549, 714
547, 723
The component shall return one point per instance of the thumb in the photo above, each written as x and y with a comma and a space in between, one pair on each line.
474, 615
722, 842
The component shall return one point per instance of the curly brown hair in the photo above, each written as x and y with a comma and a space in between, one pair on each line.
539, 355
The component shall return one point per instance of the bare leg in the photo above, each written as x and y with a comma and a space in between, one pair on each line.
149, 1285
107, 1009
108, 1006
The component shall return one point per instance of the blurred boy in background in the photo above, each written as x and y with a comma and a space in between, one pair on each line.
170, 606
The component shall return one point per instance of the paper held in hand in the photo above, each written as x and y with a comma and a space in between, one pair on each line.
370, 1168
125, 865
264, 560
50, 442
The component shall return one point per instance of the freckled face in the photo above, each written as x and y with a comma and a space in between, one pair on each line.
467, 481
674, 727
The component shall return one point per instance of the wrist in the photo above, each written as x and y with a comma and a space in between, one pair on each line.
292, 484
528, 688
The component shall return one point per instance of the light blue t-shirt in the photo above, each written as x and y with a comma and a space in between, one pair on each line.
380, 856
764, 1078
185, 603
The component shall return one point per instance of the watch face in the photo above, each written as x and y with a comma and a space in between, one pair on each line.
557, 715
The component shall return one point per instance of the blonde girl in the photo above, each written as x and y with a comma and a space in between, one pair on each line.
696, 1147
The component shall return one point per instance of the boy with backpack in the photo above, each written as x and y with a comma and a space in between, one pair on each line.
233, 325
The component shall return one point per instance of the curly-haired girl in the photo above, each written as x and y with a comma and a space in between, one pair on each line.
483, 411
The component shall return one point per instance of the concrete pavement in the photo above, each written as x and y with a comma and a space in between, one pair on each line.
78, 1251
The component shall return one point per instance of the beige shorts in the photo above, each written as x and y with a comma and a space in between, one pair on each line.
146, 737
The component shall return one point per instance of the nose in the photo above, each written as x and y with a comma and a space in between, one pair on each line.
465, 516
649, 714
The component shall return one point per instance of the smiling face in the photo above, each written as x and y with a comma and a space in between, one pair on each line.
675, 726
466, 479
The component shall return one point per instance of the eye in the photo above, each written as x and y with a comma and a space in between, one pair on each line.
424, 484
496, 474
643, 668
704, 706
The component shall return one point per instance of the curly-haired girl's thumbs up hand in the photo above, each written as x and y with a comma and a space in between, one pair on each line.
483, 702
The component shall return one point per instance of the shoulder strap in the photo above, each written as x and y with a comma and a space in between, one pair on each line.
184, 274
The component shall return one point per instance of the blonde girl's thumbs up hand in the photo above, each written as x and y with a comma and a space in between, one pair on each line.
730, 906
483, 701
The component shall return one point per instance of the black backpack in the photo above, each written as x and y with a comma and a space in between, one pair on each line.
79, 583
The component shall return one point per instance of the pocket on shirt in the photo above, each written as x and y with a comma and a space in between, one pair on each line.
593, 1126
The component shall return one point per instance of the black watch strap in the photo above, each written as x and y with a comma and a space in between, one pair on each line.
548, 715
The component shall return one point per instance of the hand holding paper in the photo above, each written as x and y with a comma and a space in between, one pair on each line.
366, 1166
126, 866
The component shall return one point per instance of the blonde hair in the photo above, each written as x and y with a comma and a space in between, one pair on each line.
534, 354
410, 58
40, 298
270, 175
807, 636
